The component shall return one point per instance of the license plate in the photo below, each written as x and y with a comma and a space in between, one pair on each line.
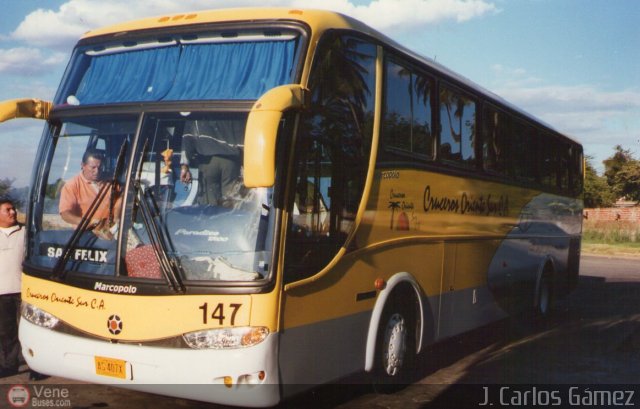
115, 368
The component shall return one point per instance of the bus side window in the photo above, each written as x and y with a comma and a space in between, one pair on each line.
549, 161
457, 127
407, 125
332, 153
494, 141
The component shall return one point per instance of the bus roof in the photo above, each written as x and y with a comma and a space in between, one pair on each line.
317, 20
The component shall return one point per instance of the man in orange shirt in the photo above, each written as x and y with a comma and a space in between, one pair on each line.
79, 192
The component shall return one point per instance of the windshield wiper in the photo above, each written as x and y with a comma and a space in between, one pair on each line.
136, 183
114, 181
150, 216
59, 271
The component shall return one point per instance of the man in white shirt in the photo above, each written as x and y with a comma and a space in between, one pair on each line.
11, 253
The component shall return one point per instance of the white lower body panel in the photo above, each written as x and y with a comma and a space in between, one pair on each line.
186, 373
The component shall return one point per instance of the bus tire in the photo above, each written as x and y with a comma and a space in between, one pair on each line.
544, 300
396, 344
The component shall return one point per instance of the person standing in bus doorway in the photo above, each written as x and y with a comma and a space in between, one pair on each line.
11, 254
215, 147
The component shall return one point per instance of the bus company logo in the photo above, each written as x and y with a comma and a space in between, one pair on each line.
18, 396
398, 203
114, 324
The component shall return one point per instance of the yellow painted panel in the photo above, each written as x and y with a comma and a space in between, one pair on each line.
316, 19
335, 294
146, 317
466, 263
407, 201
441, 229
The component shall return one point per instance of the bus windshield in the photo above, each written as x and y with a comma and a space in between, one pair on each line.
218, 65
165, 204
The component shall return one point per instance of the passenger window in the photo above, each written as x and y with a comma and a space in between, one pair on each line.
494, 140
407, 124
576, 170
549, 162
564, 158
457, 127
524, 153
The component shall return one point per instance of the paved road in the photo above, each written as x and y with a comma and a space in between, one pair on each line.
593, 338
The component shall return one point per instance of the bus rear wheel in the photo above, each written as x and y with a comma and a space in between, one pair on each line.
544, 297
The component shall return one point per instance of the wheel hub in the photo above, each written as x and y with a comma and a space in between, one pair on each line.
394, 344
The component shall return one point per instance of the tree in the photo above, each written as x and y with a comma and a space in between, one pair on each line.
18, 196
597, 192
5, 187
622, 171
615, 163
627, 180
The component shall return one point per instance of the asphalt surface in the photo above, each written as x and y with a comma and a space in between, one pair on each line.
591, 341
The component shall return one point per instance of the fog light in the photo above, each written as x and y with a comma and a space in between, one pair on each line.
228, 381
252, 379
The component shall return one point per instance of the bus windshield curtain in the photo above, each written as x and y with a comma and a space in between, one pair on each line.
145, 75
232, 70
243, 70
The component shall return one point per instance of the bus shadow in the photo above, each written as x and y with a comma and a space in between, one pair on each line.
592, 337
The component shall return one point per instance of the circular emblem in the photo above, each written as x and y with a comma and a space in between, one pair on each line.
114, 323
18, 396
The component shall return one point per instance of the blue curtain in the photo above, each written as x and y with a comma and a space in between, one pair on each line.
188, 72
232, 70
144, 75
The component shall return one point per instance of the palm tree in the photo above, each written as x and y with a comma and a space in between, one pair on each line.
393, 206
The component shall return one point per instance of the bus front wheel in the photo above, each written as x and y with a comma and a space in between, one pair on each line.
396, 346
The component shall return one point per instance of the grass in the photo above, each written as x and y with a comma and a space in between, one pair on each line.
611, 238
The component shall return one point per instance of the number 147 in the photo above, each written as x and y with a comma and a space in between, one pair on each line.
219, 313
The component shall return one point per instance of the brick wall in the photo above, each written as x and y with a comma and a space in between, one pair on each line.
631, 214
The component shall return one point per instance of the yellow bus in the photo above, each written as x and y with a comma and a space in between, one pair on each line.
283, 198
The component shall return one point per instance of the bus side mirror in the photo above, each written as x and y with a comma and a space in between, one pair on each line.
24, 108
262, 130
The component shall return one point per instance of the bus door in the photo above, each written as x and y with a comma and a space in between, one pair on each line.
323, 324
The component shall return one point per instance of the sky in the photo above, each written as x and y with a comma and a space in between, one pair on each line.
575, 64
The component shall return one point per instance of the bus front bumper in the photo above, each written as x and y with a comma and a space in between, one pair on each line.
241, 377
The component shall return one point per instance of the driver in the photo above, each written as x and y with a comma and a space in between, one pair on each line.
79, 192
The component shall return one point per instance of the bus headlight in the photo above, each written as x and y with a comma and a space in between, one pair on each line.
226, 338
37, 316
